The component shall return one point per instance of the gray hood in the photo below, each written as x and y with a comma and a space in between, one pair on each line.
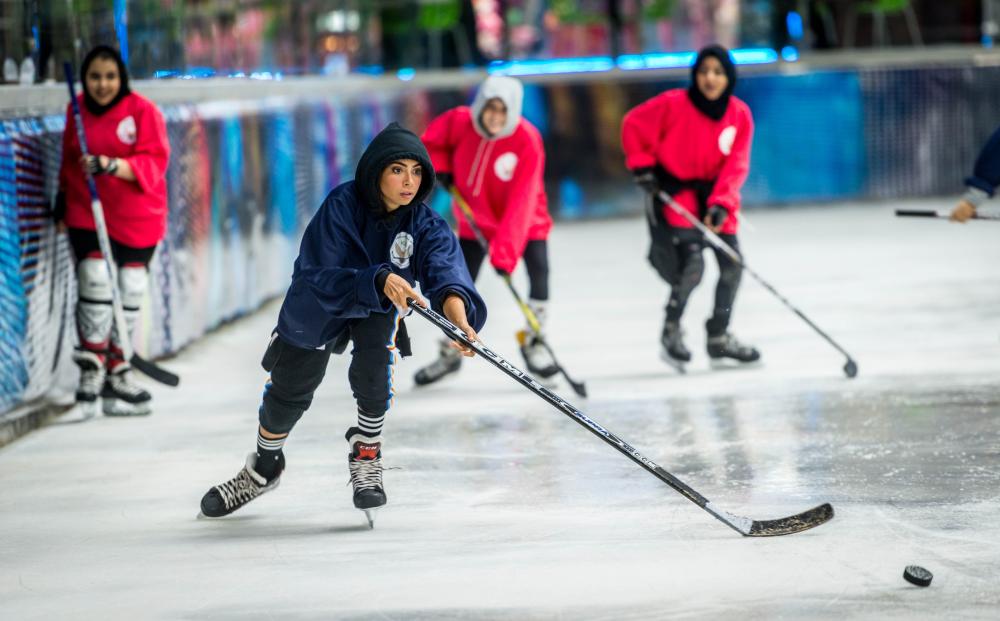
510, 92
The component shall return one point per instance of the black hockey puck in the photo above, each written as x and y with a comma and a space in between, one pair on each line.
915, 574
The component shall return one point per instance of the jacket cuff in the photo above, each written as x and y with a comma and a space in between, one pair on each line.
975, 196
365, 288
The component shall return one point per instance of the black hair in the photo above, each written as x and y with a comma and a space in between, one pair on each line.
105, 52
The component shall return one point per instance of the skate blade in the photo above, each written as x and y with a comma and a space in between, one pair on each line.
82, 412
728, 364
370, 515
121, 409
677, 365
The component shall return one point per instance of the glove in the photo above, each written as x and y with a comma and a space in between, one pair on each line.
445, 180
717, 215
645, 178
502, 273
94, 166
59, 207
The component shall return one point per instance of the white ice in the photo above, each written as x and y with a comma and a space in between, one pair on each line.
500, 507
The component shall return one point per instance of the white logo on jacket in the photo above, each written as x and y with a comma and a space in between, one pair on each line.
126, 130
726, 139
402, 250
504, 166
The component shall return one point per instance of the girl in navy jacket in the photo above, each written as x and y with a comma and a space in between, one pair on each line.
983, 182
363, 252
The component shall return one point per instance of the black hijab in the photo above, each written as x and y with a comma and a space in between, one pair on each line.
103, 51
714, 110
392, 143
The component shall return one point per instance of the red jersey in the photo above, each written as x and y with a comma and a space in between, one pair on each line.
132, 130
669, 131
500, 178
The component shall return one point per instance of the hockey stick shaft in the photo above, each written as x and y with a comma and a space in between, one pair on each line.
930, 213
536, 327
850, 368
742, 525
104, 241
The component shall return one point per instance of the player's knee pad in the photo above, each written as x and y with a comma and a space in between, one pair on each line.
730, 273
694, 269
133, 281
93, 312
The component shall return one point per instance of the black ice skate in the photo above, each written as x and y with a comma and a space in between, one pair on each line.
537, 358
92, 375
725, 347
122, 396
672, 348
227, 497
448, 362
365, 463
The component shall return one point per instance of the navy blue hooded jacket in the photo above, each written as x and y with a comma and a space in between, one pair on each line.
986, 174
352, 238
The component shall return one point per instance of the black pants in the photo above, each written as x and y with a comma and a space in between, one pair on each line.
84, 244
296, 373
689, 244
536, 260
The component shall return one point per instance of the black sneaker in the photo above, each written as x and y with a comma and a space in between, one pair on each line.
448, 362
227, 497
725, 346
365, 465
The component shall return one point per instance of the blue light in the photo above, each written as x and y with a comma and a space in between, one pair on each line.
370, 69
549, 66
793, 21
662, 60
754, 56
789, 54
406, 74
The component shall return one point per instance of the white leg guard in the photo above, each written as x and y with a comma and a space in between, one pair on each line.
133, 281
93, 310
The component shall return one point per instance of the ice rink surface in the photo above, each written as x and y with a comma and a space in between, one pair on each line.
500, 507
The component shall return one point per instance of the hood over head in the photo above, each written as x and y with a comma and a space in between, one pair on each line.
508, 90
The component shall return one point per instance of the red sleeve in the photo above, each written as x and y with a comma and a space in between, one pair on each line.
641, 130
437, 139
734, 172
511, 235
151, 153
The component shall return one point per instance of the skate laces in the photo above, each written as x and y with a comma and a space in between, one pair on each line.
366, 473
91, 380
238, 490
121, 384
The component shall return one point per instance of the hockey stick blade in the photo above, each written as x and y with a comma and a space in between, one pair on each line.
792, 524
154, 371
745, 526
943, 215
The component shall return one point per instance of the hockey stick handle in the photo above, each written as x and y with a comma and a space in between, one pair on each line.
743, 525
535, 325
104, 242
851, 366
930, 213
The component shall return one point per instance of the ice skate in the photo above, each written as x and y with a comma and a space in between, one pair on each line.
537, 358
725, 352
227, 497
92, 375
449, 361
672, 348
122, 396
365, 465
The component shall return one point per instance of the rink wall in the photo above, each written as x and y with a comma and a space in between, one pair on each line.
246, 174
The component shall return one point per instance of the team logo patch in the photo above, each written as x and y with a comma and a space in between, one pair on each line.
402, 250
726, 140
504, 166
126, 130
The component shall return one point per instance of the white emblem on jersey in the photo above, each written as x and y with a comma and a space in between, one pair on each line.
504, 166
402, 250
726, 140
126, 130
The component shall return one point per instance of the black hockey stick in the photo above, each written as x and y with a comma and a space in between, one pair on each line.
141, 364
745, 526
929, 213
850, 367
578, 387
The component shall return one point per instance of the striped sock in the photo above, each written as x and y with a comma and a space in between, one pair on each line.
269, 455
370, 424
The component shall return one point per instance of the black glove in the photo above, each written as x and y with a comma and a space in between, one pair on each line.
717, 214
501, 273
59, 207
645, 178
445, 180
95, 168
